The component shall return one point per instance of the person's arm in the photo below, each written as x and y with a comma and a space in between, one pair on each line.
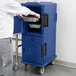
30, 13
13, 7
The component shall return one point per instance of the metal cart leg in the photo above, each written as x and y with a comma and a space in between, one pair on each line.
15, 66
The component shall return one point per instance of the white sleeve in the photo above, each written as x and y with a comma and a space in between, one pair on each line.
13, 7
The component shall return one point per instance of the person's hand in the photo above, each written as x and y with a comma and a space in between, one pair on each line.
20, 16
35, 14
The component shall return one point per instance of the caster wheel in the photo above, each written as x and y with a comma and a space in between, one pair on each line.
41, 71
15, 67
26, 66
52, 63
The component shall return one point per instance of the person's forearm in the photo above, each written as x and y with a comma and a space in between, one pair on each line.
30, 13
14, 8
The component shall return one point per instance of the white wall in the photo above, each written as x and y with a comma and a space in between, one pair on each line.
66, 30
21, 1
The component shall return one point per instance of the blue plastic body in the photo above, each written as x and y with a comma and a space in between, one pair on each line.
32, 42
18, 26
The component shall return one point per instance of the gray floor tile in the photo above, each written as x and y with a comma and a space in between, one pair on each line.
55, 70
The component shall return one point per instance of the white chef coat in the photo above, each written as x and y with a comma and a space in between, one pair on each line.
7, 9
